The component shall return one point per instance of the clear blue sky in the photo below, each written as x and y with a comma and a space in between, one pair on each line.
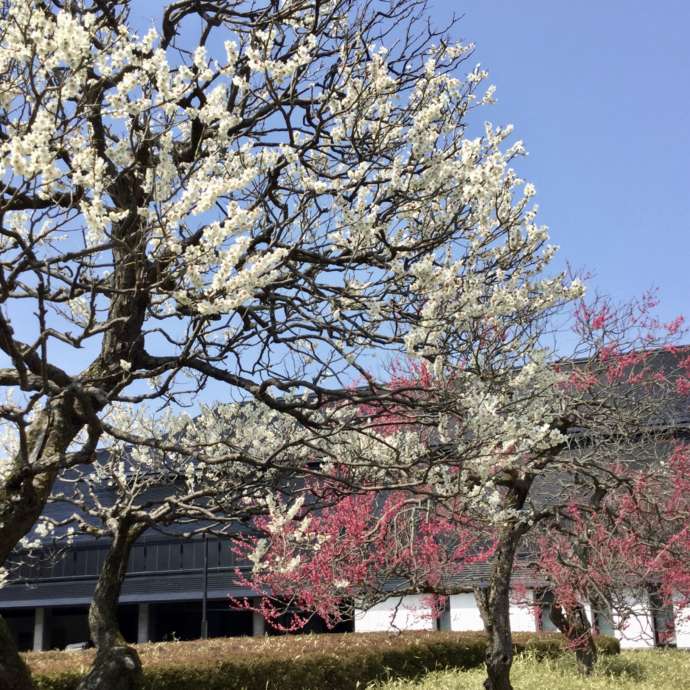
600, 93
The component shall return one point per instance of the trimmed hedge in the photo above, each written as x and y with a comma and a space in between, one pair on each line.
551, 645
305, 662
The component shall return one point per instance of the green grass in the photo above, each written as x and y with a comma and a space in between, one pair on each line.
645, 670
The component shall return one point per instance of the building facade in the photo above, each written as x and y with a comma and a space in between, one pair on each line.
46, 601
177, 588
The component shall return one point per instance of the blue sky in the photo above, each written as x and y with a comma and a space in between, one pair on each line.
599, 92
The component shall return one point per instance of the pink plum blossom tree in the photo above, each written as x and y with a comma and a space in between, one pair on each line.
577, 430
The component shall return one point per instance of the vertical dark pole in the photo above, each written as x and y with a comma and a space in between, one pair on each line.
204, 600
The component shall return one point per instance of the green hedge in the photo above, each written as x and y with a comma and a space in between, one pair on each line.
552, 645
324, 662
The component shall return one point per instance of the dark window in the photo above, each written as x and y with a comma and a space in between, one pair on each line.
68, 625
188, 555
21, 627
137, 558
128, 620
175, 621
224, 622
225, 554
663, 618
152, 557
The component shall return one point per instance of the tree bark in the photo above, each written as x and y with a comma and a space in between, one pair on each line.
573, 623
117, 665
23, 495
14, 674
494, 600
25, 490
22, 499
494, 605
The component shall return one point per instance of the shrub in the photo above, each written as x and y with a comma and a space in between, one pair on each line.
305, 662
607, 645
551, 645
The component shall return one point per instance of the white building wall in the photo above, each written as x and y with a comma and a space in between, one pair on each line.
589, 612
637, 630
682, 621
464, 612
463, 615
412, 613
523, 616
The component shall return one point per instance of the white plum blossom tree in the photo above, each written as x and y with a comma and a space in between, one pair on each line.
251, 199
203, 474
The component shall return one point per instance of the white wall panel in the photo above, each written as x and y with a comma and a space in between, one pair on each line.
464, 612
682, 626
637, 629
412, 613
523, 617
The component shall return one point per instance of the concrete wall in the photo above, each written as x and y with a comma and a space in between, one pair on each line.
258, 624
41, 641
412, 614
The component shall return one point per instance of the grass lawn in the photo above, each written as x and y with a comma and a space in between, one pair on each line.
644, 670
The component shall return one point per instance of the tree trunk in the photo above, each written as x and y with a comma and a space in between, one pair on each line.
573, 623
494, 600
14, 675
23, 493
116, 665
22, 499
494, 605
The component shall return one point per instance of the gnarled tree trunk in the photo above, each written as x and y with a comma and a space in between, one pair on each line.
116, 665
494, 605
573, 623
23, 495
494, 600
14, 675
